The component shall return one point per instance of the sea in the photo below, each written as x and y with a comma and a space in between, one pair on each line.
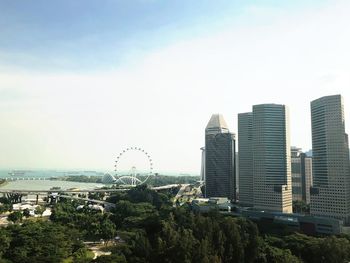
28, 179
45, 173
39, 180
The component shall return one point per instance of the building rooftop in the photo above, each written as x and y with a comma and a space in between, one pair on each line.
217, 122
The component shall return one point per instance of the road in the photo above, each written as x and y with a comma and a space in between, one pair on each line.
6, 191
88, 200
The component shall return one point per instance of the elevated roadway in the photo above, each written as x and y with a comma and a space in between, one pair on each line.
88, 200
25, 191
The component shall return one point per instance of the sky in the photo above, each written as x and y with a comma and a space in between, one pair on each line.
82, 80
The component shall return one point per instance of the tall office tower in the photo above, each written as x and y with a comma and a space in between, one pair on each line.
330, 194
301, 175
237, 173
202, 175
245, 158
219, 159
272, 182
307, 160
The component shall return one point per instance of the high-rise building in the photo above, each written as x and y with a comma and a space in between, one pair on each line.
272, 184
301, 175
237, 172
330, 194
245, 158
202, 175
219, 159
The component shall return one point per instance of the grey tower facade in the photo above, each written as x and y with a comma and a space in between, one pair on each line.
272, 186
245, 158
301, 175
330, 194
219, 159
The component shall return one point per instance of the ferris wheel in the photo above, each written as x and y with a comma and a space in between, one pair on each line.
133, 176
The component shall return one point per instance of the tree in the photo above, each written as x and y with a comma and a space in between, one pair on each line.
4, 208
4, 241
5, 200
142, 193
233, 245
41, 242
110, 259
96, 196
81, 255
108, 230
250, 239
39, 210
15, 216
26, 213
269, 254
335, 250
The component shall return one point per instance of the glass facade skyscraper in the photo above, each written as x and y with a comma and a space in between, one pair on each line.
264, 158
219, 159
245, 158
330, 194
272, 186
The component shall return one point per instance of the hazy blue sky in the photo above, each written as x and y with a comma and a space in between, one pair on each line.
80, 80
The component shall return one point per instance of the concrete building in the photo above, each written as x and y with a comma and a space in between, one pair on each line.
219, 159
306, 224
237, 172
202, 174
301, 175
245, 158
330, 194
272, 182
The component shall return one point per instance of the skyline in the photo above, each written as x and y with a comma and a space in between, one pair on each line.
79, 83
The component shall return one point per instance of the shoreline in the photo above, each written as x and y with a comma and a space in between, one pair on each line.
3, 182
46, 185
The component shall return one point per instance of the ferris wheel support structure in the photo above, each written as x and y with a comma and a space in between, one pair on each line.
122, 179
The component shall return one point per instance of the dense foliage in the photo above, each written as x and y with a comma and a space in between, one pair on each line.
311, 249
144, 227
5, 205
178, 235
92, 224
38, 242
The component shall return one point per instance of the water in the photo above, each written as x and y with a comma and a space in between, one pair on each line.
47, 185
58, 173
48, 173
